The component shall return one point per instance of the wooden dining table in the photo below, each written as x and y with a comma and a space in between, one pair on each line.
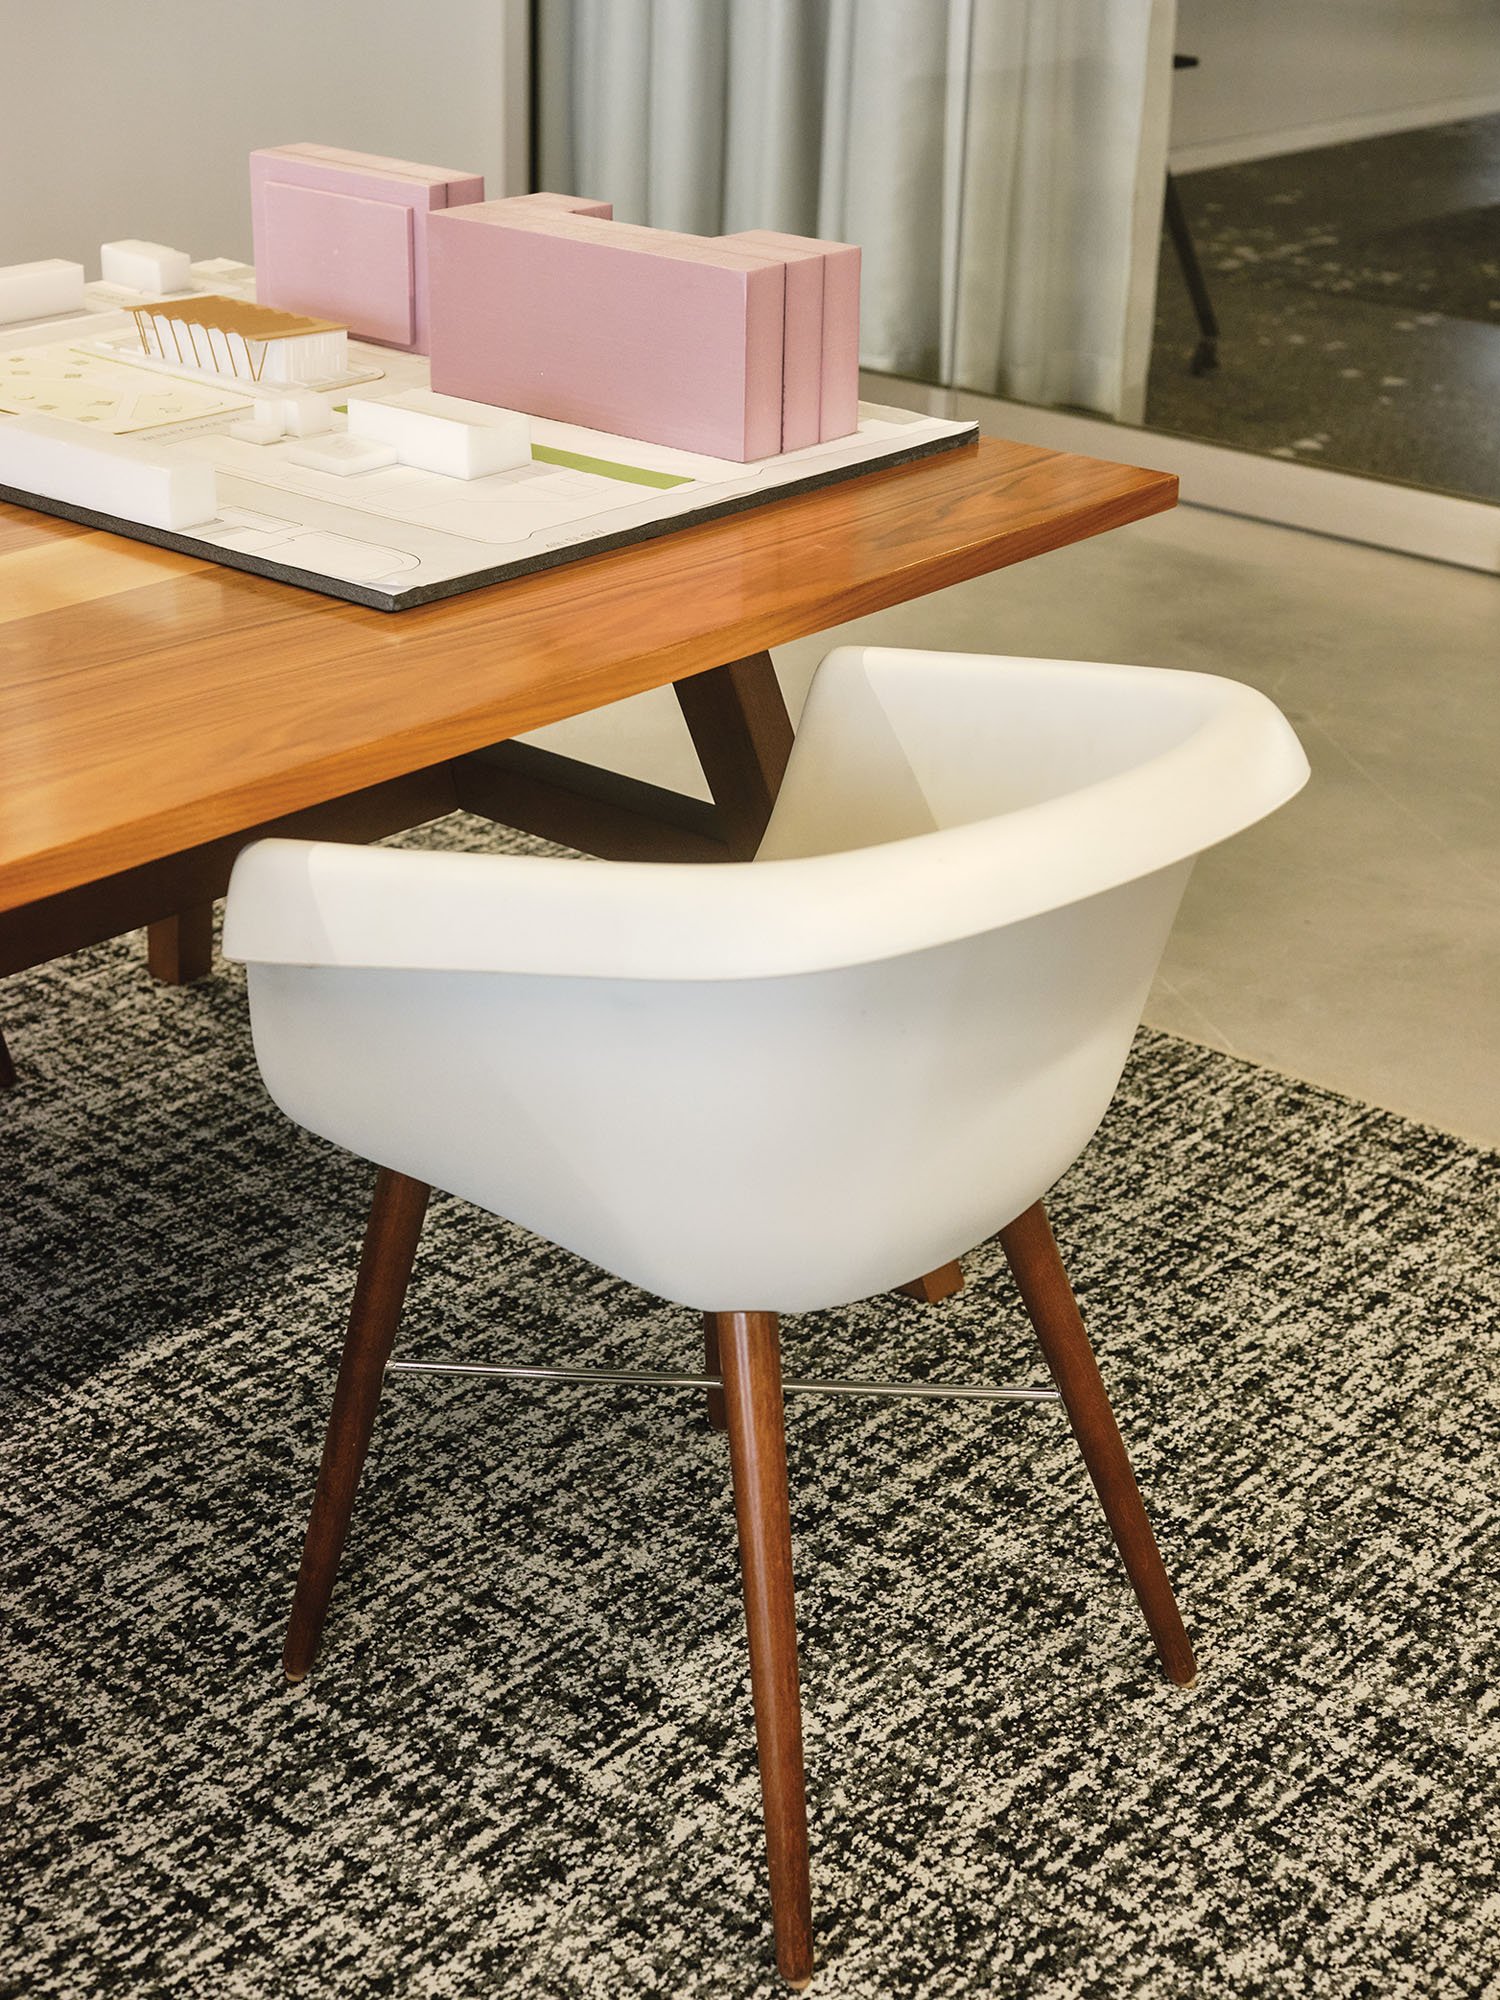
158, 711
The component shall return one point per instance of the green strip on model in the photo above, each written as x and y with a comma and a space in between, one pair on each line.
607, 468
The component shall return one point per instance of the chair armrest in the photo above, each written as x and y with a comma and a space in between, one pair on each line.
320, 904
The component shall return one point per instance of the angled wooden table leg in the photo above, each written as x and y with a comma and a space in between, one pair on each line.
7, 1068
742, 733
181, 948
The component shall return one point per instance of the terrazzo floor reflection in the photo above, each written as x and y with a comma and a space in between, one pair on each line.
1358, 293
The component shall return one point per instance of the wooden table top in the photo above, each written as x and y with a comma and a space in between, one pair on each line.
150, 701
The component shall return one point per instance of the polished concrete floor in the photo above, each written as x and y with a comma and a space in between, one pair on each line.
1352, 940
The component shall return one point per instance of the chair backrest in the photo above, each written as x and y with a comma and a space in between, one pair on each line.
785, 1084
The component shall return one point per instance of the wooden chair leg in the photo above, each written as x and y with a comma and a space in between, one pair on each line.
935, 1286
7, 1068
391, 1235
749, 1350
1038, 1271
180, 949
717, 1420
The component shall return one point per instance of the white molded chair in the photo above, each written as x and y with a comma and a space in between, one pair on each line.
769, 1087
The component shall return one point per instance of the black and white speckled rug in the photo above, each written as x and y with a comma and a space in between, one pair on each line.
525, 1765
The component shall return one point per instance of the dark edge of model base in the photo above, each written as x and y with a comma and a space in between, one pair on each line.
429, 593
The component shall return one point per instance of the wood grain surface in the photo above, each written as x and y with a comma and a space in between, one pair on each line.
150, 702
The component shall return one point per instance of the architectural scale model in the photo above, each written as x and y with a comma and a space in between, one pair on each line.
591, 382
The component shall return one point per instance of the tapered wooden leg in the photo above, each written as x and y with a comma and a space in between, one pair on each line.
7, 1068
936, 1285
1038, 1270
385, 1267
749, 1352
717, 1420
180, 949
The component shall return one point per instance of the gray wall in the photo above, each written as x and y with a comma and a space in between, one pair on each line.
136, 119
1278, 75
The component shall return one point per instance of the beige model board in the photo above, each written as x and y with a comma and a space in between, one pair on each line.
387, 534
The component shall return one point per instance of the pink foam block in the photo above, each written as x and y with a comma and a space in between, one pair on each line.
362, 274
838, 400
567, 204
802, 363
641, 332
324, 246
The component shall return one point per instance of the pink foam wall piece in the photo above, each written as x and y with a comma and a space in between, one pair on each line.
343, 257
291, 263
839, 388
802, 363
841, 341
375, 163
840, 408
640, 332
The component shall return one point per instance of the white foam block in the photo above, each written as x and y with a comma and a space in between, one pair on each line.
254, 430
444, 433
112, 475
338, 452
305, 414
40, 291
144, 267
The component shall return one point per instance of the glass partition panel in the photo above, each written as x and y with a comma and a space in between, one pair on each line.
1317, 276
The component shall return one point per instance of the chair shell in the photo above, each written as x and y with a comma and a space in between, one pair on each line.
784, 1084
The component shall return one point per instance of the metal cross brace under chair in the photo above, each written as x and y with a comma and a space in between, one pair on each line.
928, 1391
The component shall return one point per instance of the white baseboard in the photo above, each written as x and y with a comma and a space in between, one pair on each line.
1407, 519
1335, 132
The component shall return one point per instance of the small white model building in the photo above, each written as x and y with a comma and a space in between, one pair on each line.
342, 454
252, 343
302, 413
144, 267
40, 291
444, 433
110, 475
